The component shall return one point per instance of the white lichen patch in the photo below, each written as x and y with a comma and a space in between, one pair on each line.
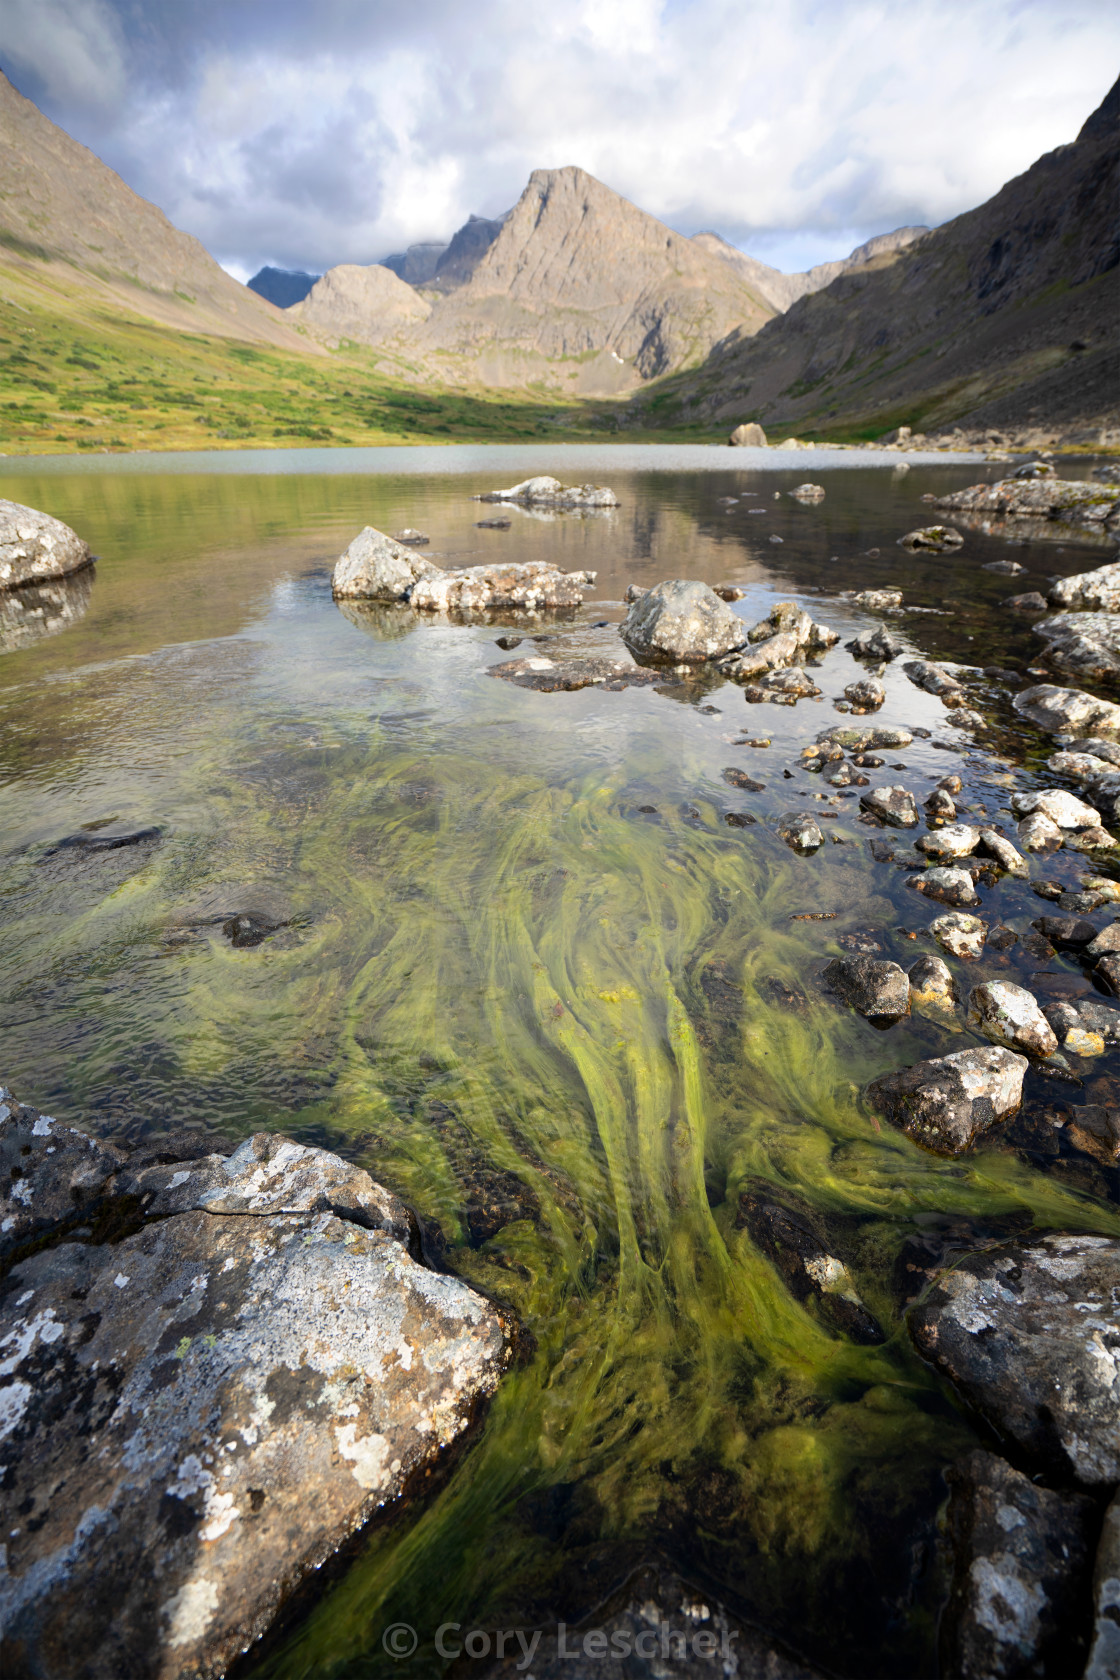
191, 1611
368, 1453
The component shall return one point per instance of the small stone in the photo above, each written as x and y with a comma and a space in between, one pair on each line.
1090, 840
940, 806
1048, 889
879, 600
739, 819
868, 761
1005, 854
935, 539
866, 696
807, 493
800, 832
932, 989
948, 886
1001, 939
493, 524
1066, 932
1010, 1015
1032, 602
892, 805
1108, 972
965, 717
858, 739
955, 840
1005, 568
946, 1103
728, 591
411, 538
933, 679
879, 644
739, 779
961, 935
879, 991
508, 643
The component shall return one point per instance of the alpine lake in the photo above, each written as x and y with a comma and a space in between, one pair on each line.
525, 971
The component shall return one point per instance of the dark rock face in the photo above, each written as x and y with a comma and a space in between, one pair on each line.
34, 547
946, 1103
52, 1175
1030, 1335
1019, 1552
879, 991
809, 1269
1104, 1657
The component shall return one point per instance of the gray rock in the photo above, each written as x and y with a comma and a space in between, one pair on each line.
1005, 854
1031, 602
682, 621
800, 832
961, 935
880, 643
1095, 591
1030, 1335
946, 1103
879, 991
1105, 943
879, 600
1084, 1028
51, 1176
934, 539
808, 493
865, 696
1087, 761
1086, 644
749, 435
1063, 711
529, 587
1019, 1556
1071, 501
552, 676
859, 739
411, 538
932, 678
549, 492
1004, 568
965, 717
947, 886
1010, 1015
1104, 1654
35, 547
892, 805
1061, 807
376, 568
952, 841
940, 806
1040, 833
256, 1387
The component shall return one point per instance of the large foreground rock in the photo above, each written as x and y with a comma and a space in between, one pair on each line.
33, 546
948, 1102
1020, 1553
378, 568
1067, 710
1030, 1335
680, 620
197, 1415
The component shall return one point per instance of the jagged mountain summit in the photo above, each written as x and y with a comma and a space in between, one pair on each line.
67, 218
585, 291
282, 286
435, 267
1006, 316
781, 289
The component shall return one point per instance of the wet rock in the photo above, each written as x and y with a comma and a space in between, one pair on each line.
728, 591
377, 568
104, 837
1084, 1028
1052, 890
960, 935
946, 1103
954, 840
1029, 1334
790, 1241
1004, 568
808, 493
940, 806
549, 492
411, 538
1009, 1014
1019, 1556
799, 831
1001, 939
739, 819
1067, 710
1094, 1128
932, 539
892, 805
947, 886
247, 929
795, 681
879, 991
681, 620
1105, 943
786, 618
529, 587
879, 600
1031, 602
860, 738
552, 676
35, 547
932, 678
52, 1176
1087, 761
867, 761
1097, 591
1086, 644
492, 524
932, 987
1006, 855
1065, 932
749, 435
1069, 500
865, 696
1062, 808
739, 779
1039, 833
966, 717
879, 644
1104, 1654
507, 643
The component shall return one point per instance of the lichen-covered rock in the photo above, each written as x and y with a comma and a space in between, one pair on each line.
1061, 807
1084, 1028
947, 886
1010, 1015
552, 676
892, 805
859, 739
800, 832
377, 568
965, 717
256, 1388
531, 586
1030, 1335
1071, 501
544, 491
1095, 591
879, 643
932, 539
1086, 644
1104, 1653
946, 1103
1040, 833
932, 988
878, 600
954, 840
1067, 710
1005, 854
960, 935
1087, 761
35, 547
932, 678
879, 991
681, 621
1020, 1553
51, 1175
865, 696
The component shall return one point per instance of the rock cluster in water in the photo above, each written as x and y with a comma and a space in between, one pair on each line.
378, 568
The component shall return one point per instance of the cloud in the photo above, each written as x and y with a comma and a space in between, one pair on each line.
310, 135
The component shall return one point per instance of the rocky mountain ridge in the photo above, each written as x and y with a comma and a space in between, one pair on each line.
782, 289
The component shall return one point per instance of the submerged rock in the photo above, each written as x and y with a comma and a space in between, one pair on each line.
933, 539
38, 610
35, 547
1067, 710
1010, 1015
809, 1269
681, 621
551, 676
960, 935
948, 886
1084, 1028
549, 492
1019, 1557
1031, 602
879, 991
946, 1103
1030, 1335
892, 805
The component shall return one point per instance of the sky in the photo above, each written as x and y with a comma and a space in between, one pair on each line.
305, 133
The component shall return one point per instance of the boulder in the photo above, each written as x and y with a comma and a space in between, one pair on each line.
932, 988
552, 676
1019, 1557
528, 587
549, 492
933, 679
892, 805
1095, 591
681, 621
932, 539
1084, 1027
1104, 1653
378, 568
1005, 854
947, 886
1070, 501
35, 547
1030, 1334
1067, 711
1010, 1015
749, 435
879, 991
960, 935
880, 644
800, 832
1040, 833
1062, 808
1086, 644
952, 841
946, 1103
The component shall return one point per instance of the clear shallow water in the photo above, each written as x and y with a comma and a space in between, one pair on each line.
550, 1019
